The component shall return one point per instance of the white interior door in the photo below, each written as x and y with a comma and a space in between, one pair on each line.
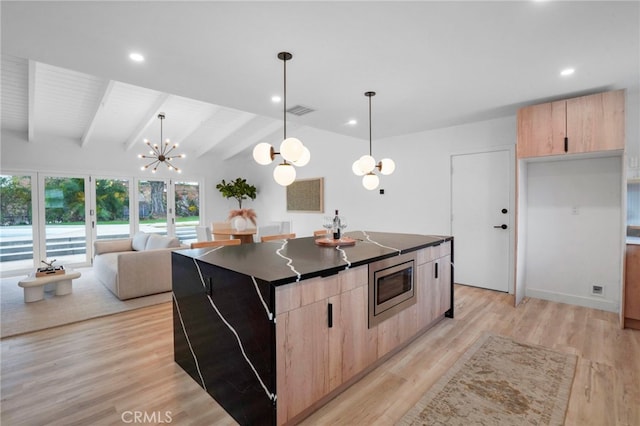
481, 218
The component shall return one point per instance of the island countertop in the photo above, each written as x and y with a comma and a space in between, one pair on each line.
285, 261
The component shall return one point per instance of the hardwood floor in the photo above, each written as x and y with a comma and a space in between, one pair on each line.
107, 370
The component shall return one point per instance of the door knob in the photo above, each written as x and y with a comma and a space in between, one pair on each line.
503, 226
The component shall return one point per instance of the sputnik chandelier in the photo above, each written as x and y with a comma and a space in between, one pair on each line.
366, 164
160, 153
293, 152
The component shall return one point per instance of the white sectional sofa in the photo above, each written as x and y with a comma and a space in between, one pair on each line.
135, 267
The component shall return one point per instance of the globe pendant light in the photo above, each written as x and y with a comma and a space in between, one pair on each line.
160, 153
292, 150
365, 165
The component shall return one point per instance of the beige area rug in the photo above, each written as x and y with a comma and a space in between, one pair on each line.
499, 381
89, 299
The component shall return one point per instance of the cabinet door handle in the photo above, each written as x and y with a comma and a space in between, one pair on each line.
330, 315
436, 270
566, 144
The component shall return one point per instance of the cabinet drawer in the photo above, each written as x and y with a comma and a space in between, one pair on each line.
434, 252
295, 295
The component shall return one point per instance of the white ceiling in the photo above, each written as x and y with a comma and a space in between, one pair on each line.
211, 66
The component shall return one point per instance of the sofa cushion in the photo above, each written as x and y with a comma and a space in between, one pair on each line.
159, 242
139, 242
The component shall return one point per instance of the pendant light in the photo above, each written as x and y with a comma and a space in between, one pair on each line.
293, 152
160, 153
365, 165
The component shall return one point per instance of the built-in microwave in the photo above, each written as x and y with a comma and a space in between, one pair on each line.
391, 287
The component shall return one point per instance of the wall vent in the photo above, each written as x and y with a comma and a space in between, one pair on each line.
597, 290
300, 110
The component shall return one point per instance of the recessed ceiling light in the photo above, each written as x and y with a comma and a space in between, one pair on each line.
276, 99
352, 122
136, 57
567, 71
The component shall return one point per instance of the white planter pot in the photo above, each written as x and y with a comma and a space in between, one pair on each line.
239, 223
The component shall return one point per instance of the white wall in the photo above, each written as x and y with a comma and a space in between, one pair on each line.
417, 195
573, 231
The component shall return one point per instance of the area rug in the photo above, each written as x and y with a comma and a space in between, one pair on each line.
89, 299
499, 381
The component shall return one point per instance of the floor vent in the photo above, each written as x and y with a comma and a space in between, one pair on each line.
300, 110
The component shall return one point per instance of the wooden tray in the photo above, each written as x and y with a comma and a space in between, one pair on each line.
344, 241
45, 272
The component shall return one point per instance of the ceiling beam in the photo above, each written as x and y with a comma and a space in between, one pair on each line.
224, 132
98, 112
32, 100
194, 128
264, 133
153, 115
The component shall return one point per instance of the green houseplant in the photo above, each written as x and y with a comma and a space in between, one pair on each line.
240, 190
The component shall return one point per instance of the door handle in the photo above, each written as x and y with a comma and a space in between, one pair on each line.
503, 226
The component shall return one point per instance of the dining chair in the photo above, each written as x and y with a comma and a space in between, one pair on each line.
215, 243
277, 237
320, 232
221, 226
203, 233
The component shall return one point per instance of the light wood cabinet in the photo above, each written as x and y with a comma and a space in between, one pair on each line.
322, 338
303, 376
434, 296
585, 124
632, 287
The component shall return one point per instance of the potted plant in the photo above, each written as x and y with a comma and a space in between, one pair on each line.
240, 190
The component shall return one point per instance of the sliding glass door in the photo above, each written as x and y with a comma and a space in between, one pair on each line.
46, 216
113, 208
64, 208
152, 206
187, 207
16, 222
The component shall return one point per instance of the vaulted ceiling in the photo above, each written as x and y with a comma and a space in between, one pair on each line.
211, 66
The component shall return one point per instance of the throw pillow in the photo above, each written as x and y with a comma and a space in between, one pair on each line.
139, 241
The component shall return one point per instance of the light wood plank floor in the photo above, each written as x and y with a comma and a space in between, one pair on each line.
94, 372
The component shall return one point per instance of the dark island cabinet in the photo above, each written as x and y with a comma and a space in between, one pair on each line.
272, 331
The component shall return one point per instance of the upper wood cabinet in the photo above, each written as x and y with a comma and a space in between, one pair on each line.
585, 124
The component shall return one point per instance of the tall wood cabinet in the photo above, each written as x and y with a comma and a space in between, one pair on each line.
632, 287
585, 124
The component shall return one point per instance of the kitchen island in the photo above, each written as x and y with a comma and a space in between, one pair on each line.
274, 330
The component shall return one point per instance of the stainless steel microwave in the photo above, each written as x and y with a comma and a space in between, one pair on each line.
391, 287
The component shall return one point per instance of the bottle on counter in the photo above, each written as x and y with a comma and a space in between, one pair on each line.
336, 226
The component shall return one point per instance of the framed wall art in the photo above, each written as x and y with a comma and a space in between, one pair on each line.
306, 196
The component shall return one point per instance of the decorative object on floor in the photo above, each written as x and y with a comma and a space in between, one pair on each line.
238, 189
89, 300
306, 196
160, 153
366, 164
499, 381
239, 218
293, 152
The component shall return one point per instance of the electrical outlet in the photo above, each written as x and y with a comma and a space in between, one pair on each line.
575, 210
597, 290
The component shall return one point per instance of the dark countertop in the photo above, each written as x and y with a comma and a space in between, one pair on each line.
280, 262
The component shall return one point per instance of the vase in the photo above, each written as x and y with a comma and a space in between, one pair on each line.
239, 223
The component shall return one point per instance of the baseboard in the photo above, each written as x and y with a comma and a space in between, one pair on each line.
587, 302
